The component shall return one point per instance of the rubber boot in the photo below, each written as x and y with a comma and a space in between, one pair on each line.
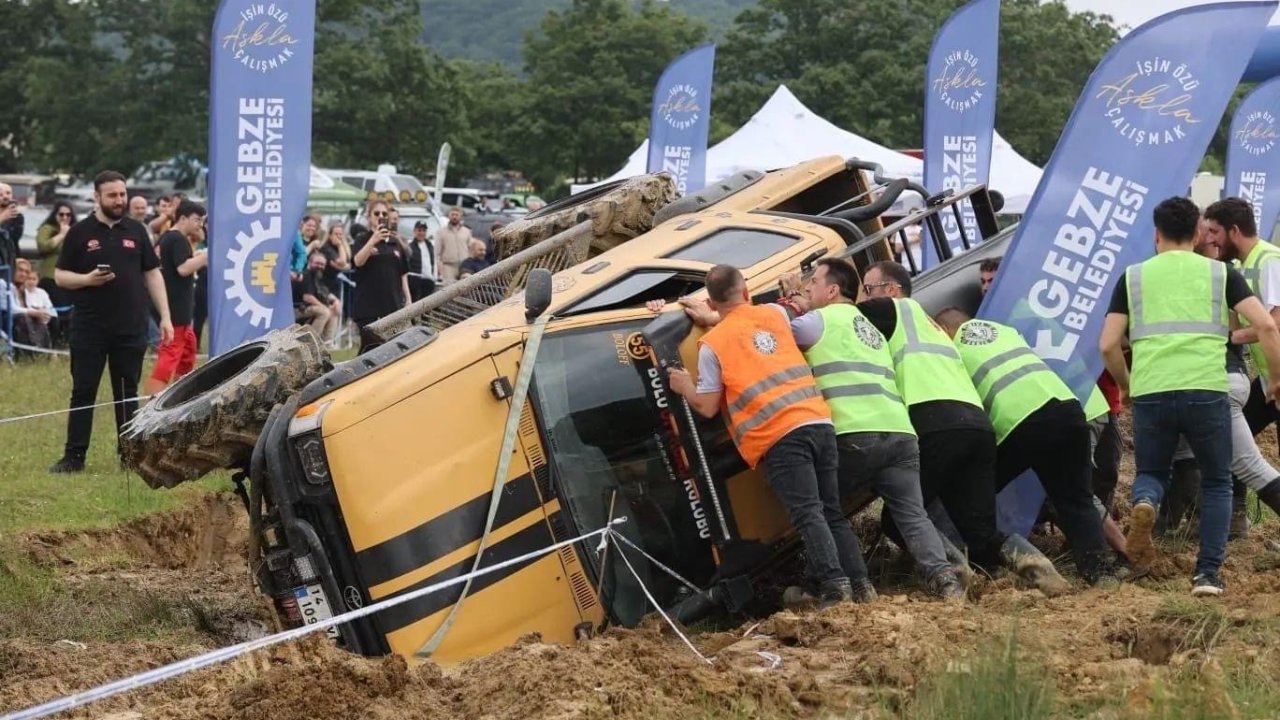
1239, 527
1032, 566
958, 559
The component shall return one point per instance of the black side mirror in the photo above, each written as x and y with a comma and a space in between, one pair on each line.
537, 293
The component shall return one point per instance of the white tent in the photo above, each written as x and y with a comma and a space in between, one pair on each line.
1013, 175
785, 132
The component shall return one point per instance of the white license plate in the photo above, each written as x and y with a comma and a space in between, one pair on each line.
315, 607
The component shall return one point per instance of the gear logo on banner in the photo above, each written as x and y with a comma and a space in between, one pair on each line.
681, 110
1152, 105
261, 40
960, 84
1258, 134
251, 277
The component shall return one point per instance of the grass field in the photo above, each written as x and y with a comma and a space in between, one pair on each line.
105, 494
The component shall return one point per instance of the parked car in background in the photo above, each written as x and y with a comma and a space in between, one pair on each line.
386, 182
31, 189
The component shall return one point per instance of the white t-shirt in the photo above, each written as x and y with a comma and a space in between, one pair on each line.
1269, 284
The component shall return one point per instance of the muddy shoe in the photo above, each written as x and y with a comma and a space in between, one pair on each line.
1239, 527
863, 590
958, 559
834, 592
946, 586
1138, 544
1033, 567
797, 598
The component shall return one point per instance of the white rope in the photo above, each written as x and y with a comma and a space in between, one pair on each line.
652, 602
5, 421
182, 667
653, 560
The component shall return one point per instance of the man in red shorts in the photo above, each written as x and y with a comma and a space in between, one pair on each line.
179, 264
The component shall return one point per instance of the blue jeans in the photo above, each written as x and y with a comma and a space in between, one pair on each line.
1203, 417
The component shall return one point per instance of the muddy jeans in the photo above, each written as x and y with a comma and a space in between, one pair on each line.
801, 468
890, 463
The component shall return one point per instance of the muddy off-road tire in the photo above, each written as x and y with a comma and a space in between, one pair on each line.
211, 418
621, 210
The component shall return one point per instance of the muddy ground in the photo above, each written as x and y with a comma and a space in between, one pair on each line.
1102, 654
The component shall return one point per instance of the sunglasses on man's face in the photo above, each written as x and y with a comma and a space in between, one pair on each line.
380, 214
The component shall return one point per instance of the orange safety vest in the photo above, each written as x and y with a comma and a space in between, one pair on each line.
768, 388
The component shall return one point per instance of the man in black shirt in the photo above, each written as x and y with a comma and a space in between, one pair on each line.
382, 267
422, 263
476, 262
111, 271
313, 302
957, 451
179, 264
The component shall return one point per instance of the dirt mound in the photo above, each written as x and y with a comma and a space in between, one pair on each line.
212, 532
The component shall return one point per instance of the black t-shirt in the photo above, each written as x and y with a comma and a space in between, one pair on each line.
472, 266
379, 290
935, 415
175, 249
313, 283
120, 306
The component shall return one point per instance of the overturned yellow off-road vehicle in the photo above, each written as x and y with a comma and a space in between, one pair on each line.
393, 471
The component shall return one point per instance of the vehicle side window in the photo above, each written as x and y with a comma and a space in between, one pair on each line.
739, 247
635, 289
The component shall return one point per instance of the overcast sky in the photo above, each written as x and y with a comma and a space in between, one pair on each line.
1135, 12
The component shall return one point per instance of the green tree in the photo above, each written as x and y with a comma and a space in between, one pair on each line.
862, 65
591, 76
379, 94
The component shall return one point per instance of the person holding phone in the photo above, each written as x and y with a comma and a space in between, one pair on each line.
382, 272
110, 270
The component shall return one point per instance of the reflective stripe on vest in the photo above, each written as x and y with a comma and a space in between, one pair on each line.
1177, 323
980, 373
775, 406
913, 343
854, 370
768, 389
1012, 380
925, 361
794, 372
1139, 329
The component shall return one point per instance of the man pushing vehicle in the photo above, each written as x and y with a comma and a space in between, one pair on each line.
749, 367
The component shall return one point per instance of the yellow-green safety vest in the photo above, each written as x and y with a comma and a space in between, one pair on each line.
1011, 379
925, 361
854, 370
1252, 267
1177, 323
